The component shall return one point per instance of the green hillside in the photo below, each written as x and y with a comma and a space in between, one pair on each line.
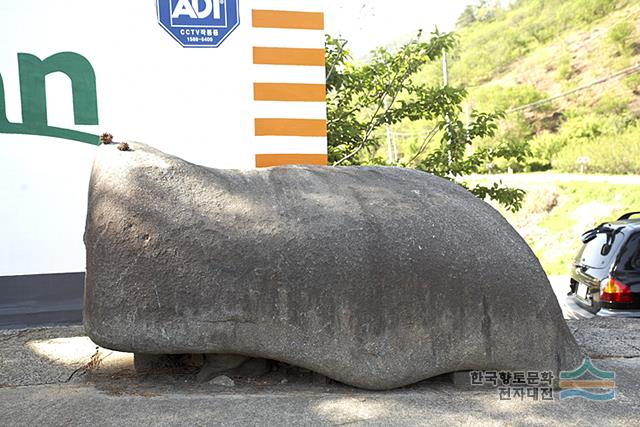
539, 49
536, 49
558, 208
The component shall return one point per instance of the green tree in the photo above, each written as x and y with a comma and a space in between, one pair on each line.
482, 11
487, 10
364, 97
467, 17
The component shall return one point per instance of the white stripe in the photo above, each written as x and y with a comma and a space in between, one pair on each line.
277, 37
270, 37
292, 5
289, 110
288, 74
290, 145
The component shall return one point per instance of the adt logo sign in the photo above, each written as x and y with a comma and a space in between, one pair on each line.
198, 23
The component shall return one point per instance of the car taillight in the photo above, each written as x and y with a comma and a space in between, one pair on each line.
615, 291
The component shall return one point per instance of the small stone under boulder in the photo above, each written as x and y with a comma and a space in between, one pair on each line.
376, 277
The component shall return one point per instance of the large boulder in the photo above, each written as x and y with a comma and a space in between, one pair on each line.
377, 277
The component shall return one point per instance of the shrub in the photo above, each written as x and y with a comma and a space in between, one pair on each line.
589, 126
633, 82
609, 154
544, 148
620, 35
610, 104
564, 70
586, 135
585, 11
488, 98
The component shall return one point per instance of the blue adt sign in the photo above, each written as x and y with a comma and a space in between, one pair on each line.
198, 23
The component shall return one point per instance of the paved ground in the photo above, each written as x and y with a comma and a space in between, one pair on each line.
45, 380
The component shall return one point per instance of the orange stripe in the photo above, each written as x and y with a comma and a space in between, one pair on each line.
587, 384
291, 127
268, 160
288, 19
288, 56
289, 92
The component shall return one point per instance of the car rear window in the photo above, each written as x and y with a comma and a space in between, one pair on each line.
630, 257
592, 254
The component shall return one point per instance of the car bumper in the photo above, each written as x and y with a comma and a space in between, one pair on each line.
572, 310
605, 312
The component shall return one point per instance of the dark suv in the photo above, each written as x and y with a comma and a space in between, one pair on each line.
605, 276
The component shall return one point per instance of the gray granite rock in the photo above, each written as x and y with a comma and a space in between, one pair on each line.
377, 277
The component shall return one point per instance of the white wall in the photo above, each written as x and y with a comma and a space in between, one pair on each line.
189, 102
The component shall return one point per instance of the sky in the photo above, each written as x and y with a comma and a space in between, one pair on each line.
367, 24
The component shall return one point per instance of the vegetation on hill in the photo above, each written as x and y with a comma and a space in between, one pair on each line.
508, 57
557, 209
536, 49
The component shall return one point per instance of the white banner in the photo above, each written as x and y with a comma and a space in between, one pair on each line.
144, 71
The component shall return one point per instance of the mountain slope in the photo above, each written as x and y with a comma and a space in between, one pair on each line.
537, 49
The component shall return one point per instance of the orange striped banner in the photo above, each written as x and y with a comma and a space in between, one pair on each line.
289, 92
288, 56
291, 127
268, 160
288, 19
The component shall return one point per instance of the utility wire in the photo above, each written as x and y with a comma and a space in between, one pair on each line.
409, 134
626, 71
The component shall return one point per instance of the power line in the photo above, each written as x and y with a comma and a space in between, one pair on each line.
626, 71
410, 134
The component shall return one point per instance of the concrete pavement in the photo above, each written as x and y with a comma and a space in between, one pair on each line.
47, 378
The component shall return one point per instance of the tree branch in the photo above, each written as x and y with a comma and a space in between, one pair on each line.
425, 142
371, 126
